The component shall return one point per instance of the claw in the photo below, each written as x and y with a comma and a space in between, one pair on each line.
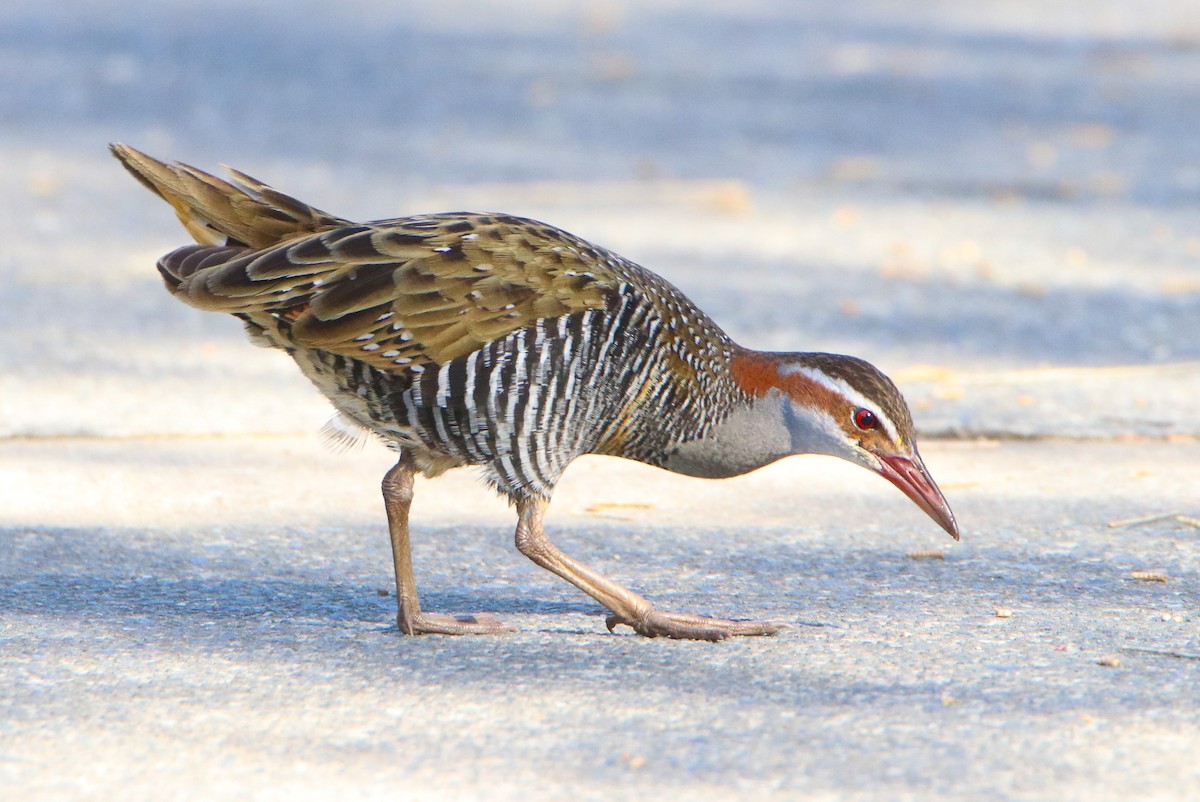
462, 624
683, 626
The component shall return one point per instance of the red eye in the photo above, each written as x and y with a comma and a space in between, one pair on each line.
865, 419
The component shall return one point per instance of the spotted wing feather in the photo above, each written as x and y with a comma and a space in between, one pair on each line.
401, 292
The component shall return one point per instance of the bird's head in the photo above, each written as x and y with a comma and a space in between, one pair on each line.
845, 407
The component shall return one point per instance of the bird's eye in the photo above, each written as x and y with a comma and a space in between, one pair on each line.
865, 419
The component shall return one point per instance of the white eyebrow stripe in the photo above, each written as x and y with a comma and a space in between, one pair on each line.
843, 389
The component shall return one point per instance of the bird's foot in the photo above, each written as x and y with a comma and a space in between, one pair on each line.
446, 624
654, 623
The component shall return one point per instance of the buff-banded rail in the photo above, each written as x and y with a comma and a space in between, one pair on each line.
505, 343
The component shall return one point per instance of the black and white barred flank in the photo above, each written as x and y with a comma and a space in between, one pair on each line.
525, 405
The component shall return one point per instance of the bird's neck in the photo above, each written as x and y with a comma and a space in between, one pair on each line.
782, 408
754, 433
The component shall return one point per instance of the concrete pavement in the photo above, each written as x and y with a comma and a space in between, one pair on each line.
205, 619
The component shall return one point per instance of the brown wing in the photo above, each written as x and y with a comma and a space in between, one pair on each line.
215, 211
402, 292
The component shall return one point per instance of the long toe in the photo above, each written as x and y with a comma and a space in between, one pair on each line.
684, 626
461, 624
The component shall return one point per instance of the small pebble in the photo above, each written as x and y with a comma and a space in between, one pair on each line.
1004, 612
927, 554
1149, 576
1109, 661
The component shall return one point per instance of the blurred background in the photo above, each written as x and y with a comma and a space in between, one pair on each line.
996, 203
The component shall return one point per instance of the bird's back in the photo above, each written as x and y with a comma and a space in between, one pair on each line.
469, 338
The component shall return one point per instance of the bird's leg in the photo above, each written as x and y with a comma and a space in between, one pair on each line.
626, 606
397, 499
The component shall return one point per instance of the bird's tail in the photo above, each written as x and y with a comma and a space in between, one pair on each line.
217, 212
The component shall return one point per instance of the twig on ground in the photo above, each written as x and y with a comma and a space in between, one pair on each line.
1145, 519
1164, 652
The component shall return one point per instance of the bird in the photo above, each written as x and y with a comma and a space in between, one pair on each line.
496, 341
